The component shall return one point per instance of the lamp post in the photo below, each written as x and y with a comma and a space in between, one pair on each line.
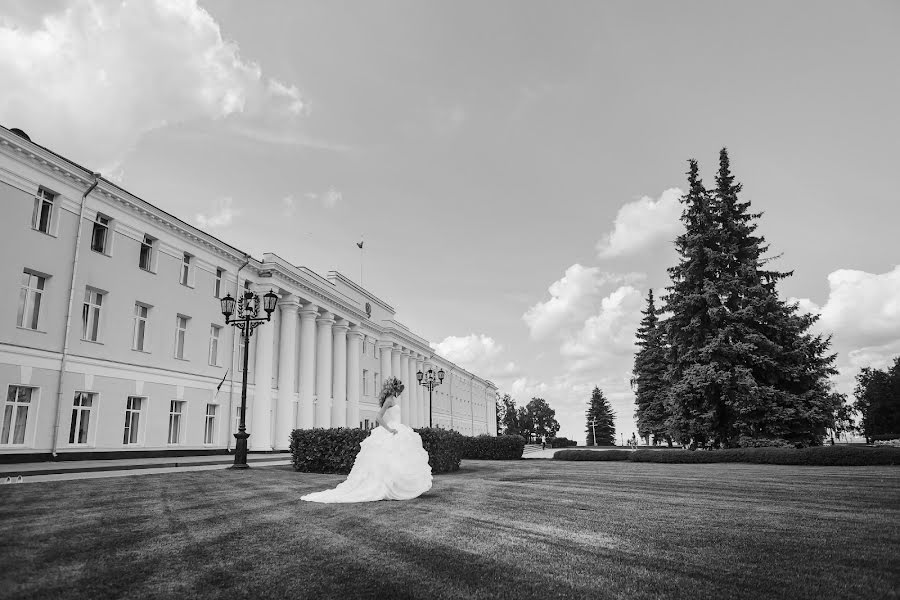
594, 429
247, 319
429, 380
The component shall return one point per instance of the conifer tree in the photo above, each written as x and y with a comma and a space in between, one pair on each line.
691, 302
776, 372
601, 414
649, 377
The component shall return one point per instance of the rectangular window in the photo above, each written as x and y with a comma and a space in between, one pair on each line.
214, 331
237, 418
181, 324
90, 315
367, 423
240, 361
218, 289
15, 414
100, 234
365, 382
209, 430
139, 335
31, 293
133, 408
185, 277
376, 389
145, 260
246, 284
82, 408
176, 410
42, 217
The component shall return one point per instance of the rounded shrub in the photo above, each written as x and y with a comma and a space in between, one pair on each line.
488, 447
334, 450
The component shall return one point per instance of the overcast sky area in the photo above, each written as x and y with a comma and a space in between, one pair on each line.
514, 166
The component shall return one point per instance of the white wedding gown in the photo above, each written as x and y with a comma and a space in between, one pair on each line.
388, 467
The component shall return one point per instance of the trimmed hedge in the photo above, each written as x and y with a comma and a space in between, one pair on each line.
819, 456
885, 437
334, 450
488, 447
562, 442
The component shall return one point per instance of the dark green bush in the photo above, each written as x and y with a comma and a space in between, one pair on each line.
562, 442
749, 442
334, 450
325, 450
885, 437
592, 455
444, 446
817, 456
488, 447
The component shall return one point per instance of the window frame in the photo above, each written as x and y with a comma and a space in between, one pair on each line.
13, 407
179, 419
78, 411
97, 313
149, 243
27, 295
186, 272
43, 198
220, 279
104, 221
210, 431
182, 332
132, 428
145, 320
213, 356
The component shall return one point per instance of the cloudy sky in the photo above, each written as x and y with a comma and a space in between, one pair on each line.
513, 166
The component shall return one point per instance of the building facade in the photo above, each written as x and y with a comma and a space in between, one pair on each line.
112, 338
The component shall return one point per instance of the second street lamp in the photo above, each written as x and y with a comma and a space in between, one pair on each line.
429, 380
247, 319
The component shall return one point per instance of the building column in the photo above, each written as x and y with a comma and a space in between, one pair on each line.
261, 432
395, 363
414, 412
284, 412
339, 381
385, 350
354, 341
404, 395
421, 394
306, 414
323, 369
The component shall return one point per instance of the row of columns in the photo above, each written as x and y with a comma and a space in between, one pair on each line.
330, 350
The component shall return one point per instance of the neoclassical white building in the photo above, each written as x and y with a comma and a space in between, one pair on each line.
112, 338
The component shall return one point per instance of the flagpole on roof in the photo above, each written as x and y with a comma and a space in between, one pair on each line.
359, 245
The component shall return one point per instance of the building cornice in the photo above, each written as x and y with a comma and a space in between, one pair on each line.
338, 276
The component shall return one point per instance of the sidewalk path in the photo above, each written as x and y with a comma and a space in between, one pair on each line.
92, 469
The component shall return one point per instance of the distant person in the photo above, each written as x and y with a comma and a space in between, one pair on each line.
391, 463
543, 444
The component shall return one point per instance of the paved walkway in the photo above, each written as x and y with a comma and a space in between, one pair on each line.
92, 469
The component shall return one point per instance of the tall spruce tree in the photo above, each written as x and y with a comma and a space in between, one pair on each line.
776, 372
690, 302
601, 414
649, 377
743, 363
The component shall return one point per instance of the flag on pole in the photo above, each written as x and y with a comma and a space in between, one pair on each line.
218, 387
359, 245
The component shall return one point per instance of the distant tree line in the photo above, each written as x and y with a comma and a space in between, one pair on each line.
877, 395
725, 362
536, 420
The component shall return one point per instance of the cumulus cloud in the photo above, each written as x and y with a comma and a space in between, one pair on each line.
91, 79
641, 223
221, 214
862, 309
610, 334
572, 299
477, 353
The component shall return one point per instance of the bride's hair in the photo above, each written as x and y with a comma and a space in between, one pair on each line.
391, 387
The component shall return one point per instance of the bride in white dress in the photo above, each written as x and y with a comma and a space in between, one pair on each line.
391, 464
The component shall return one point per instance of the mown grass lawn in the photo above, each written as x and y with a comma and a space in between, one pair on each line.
523, 529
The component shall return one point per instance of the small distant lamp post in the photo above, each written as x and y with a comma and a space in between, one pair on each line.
429, 380
594, 429
247, 319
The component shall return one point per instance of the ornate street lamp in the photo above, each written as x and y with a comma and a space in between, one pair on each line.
429, 380
247, 319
